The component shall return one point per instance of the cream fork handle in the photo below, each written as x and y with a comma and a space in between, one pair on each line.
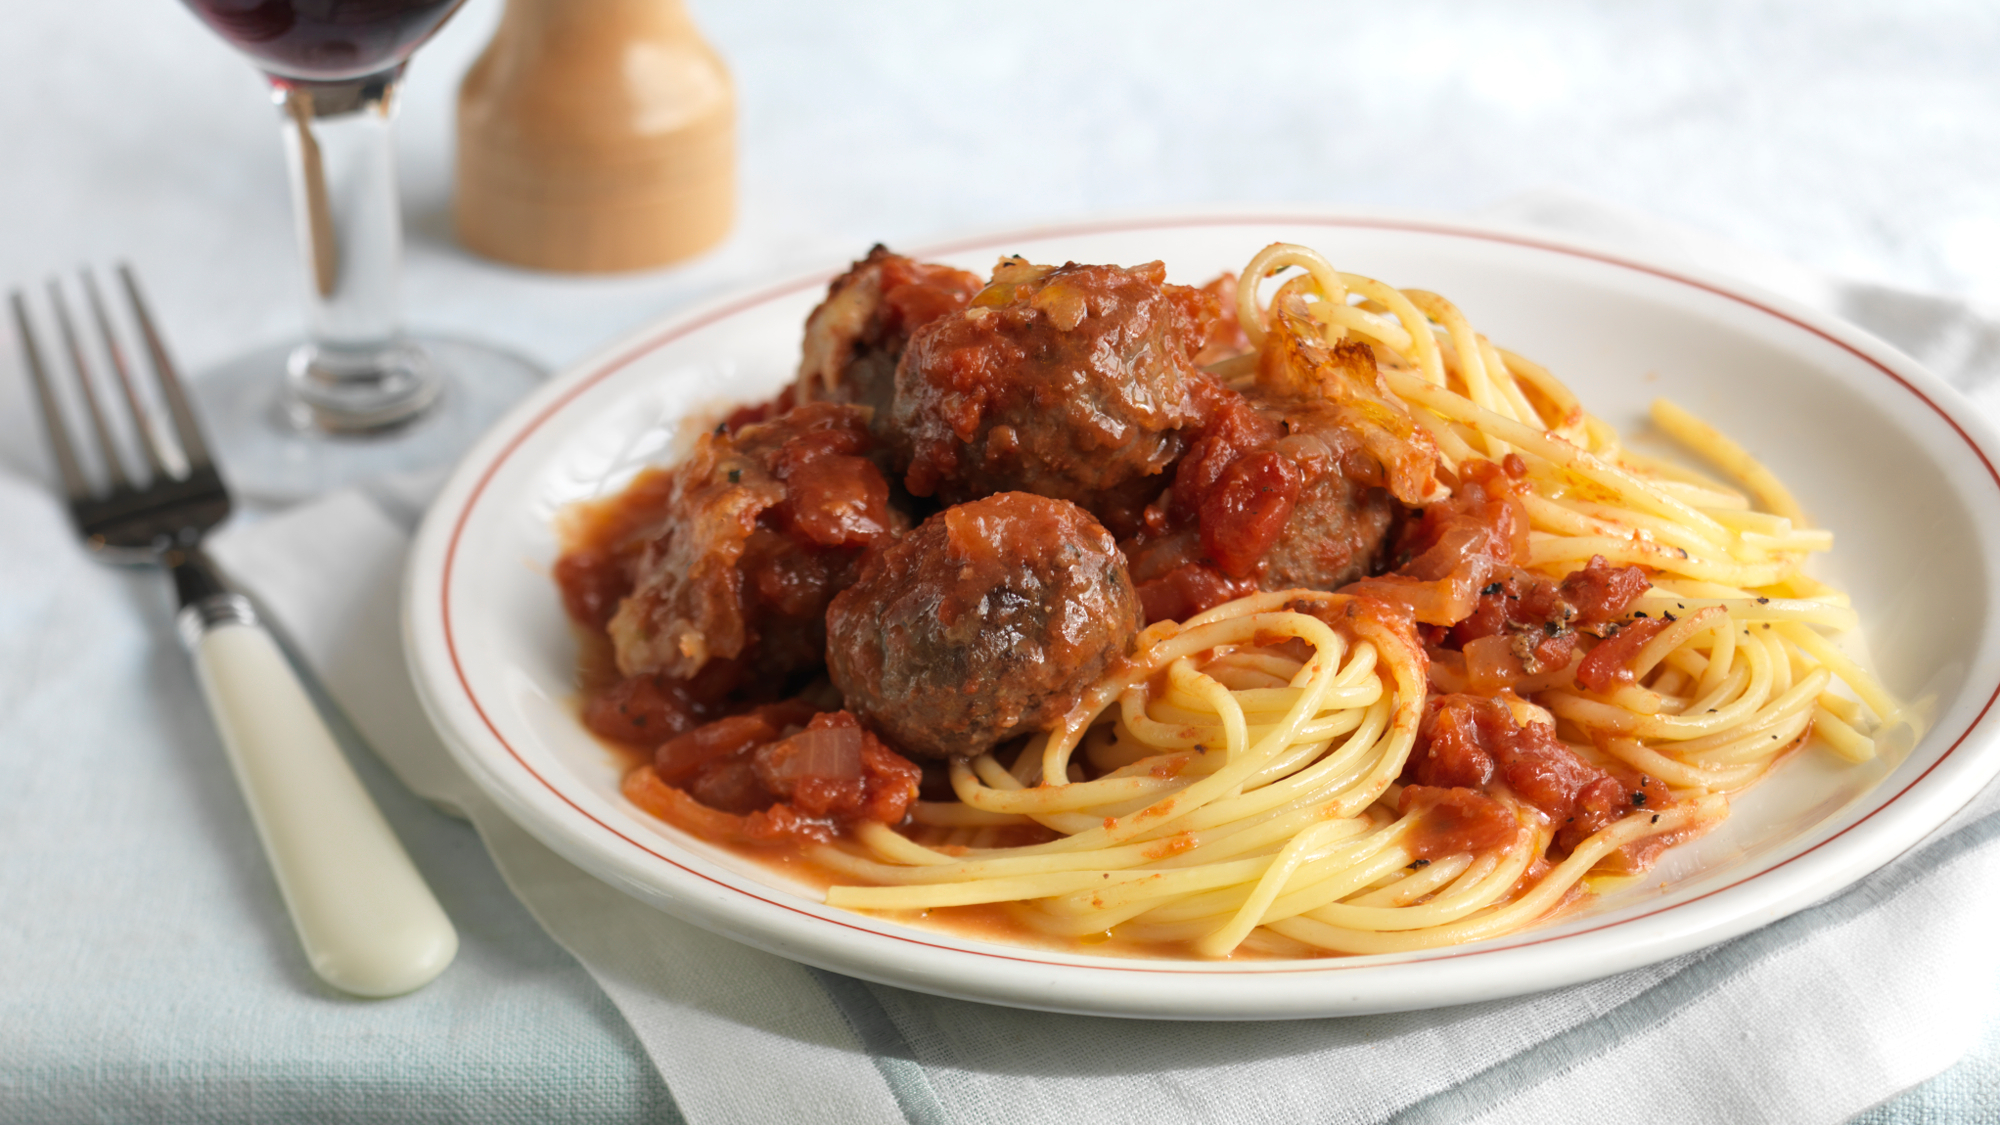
369, 923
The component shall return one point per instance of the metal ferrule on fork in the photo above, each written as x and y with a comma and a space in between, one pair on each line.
205, 601
194, 621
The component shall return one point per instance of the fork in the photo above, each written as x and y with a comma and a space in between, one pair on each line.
369, 924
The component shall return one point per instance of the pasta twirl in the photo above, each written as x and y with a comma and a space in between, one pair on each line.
1563, 658
1240, 787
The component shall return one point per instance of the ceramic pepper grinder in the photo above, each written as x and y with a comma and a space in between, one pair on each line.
595, 137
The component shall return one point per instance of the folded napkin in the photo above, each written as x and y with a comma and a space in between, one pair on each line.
1811, 1019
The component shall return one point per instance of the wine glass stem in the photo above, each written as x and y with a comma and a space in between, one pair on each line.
356, 372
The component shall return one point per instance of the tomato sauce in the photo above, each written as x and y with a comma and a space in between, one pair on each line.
1474, 743
767, 650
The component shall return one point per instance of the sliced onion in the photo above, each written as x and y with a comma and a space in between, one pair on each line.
833, 753
1447, 671
1490, 664
1462, 550
1446, 601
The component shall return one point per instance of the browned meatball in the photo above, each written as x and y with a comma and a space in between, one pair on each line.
753, 534
1278, 492
988, 621
855, 336
1340, 520
1075, 382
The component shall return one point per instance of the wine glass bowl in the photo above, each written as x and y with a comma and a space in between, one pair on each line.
325, 42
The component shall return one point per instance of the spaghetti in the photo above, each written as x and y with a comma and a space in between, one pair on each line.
1271, 774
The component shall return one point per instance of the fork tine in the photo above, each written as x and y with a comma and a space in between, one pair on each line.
113, 466
75, 485
186, 429
143, 420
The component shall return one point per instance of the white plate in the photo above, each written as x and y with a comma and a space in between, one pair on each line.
1878, 450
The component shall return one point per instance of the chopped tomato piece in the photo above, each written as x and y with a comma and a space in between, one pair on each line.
1455, 821
1243, 514
799, 770
1472, 742
1187, 590
1607, 665
644, 710
1601, 592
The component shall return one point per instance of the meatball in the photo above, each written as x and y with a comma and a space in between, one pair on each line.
757, 530
1341, 518
990, 620
1382, 444
1278, 492
855, 336
1075, 382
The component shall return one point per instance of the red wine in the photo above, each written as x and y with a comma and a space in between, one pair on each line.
325, 40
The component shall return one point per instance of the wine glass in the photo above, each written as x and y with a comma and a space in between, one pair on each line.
360, 397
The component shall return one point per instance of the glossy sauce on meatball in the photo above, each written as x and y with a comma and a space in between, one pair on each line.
1075, 382
748, 540
1275, 493
988, 621
856, 336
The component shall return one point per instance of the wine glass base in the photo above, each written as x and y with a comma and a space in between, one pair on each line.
269, 452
